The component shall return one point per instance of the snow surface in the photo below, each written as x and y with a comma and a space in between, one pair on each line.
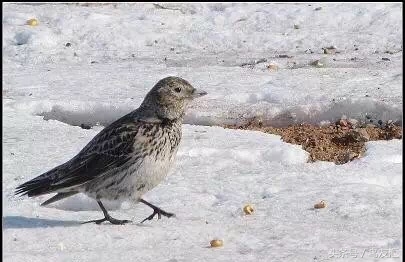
118, 52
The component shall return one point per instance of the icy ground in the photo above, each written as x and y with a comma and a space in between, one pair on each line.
117, 53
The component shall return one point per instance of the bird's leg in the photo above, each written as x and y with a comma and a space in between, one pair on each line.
156, 211
107, 217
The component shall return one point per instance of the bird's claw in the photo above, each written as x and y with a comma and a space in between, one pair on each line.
159, 213
109, 219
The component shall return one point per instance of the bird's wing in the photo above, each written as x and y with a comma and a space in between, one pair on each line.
111, 148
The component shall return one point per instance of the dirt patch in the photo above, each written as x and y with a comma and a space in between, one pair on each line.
339, 142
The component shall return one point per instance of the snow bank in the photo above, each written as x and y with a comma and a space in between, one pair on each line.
144, 30
117, 52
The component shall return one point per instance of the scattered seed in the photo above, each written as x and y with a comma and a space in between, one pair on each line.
248, 209
216, 243
32, 22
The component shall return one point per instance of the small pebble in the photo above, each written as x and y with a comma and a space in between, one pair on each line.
321, 204
353, 122
362, 134
329, 50
272, 67
85, 126
343, 122
317, 63
285, 56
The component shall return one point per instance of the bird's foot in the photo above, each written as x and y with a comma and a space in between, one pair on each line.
109, 219
159, 212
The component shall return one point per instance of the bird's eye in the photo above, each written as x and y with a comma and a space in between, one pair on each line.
177, 89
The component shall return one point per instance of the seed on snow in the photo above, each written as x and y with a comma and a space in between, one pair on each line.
32, 22
216, 243
248, 209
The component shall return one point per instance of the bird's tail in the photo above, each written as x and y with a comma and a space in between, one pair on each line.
42, 184
33, 187
58, 197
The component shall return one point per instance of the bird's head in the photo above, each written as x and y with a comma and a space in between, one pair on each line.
170, 97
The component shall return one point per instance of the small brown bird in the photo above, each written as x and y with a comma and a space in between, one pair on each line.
127, 158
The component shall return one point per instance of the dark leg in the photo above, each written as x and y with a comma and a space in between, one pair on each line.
107, 217
156, 211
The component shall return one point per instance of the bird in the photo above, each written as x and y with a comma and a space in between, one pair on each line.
127, 158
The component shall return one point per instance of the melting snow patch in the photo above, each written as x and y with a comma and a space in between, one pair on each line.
363, 110
86, 116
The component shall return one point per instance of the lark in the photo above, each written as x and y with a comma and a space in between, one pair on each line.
126, 159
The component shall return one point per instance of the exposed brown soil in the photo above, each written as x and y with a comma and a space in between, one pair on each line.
340, 142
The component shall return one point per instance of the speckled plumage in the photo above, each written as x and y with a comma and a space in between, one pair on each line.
129, 157
148, 162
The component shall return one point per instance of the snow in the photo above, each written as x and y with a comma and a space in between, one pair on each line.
118, 52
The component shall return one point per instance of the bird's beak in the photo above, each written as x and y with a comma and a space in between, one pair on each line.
198, 93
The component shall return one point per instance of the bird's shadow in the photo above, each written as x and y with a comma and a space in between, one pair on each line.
30, 222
